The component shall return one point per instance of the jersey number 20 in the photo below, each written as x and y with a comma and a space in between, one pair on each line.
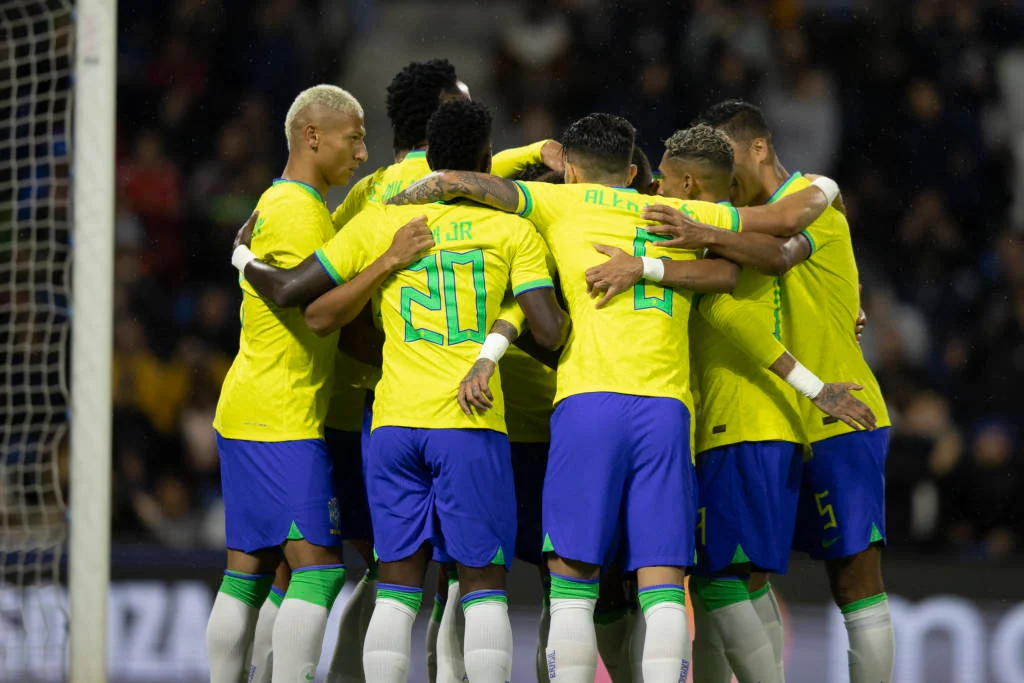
441, 294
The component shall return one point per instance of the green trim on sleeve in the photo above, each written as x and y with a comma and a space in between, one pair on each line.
532, 284
527, 199
735, 218
810, 240
325, 262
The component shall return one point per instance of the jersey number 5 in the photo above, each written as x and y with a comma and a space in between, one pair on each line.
441, 294
662, 300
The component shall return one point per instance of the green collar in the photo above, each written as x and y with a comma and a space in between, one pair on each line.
778, 194
308, 188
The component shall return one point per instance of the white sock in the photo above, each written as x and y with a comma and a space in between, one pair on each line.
767, 608
450, 665
611, 633
872, 649
347, 661
488, 644
430, 646
262, 662
710, 664
228, 635
388, 641
543, 628
745, 641
298, 639
667, 645
636, 647
572, 642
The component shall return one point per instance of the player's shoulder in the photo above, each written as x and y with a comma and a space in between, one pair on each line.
292, 201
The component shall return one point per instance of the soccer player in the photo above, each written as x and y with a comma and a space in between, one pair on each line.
279, 497
748, 434
473, 520
841, 515
620, 431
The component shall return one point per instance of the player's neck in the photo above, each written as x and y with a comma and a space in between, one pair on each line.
304, 171
400, 154
773, 175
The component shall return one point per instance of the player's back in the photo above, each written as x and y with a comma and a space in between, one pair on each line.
638, 343
821, 300
278, 385
437, 312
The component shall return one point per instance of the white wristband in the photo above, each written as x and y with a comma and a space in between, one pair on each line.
828, 186
241, 257
654, 269
805, 381
494, 347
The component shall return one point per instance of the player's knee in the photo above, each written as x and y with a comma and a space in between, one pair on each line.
572, 568
472, 579
856, 577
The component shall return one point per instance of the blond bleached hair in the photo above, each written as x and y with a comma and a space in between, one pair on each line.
701, 142
327, 96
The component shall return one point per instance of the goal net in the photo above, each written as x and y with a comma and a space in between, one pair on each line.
36, 60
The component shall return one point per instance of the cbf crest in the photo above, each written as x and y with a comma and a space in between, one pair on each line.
335, 515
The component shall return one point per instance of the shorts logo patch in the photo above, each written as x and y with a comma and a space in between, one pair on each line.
718, 429
829, 543
335, 515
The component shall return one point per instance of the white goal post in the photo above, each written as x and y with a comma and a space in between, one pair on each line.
95, 89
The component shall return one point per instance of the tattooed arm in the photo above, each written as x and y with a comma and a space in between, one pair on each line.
834, 398
492, 191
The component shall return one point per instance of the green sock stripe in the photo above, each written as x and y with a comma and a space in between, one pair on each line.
568, 588
276, 596
318, 586
864, 603
610, 616
249, 589
718, 593
437, 611
476, 597
405, 595
649, 597
453, 576
761, 592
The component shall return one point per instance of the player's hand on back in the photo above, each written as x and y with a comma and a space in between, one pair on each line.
683, 232
409, 243
474, 389
836, 400
616, 275
244, 235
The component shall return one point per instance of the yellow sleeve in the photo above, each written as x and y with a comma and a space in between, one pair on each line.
509, 162
719, 215
356, 200
353, 249
511, 313
543, 203
529, 262
732, 319
288, 230
822, 231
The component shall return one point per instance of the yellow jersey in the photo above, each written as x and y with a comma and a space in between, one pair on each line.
279, 384
638, 344
437, 312
820, 302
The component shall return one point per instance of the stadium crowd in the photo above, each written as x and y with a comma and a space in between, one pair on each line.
905, 105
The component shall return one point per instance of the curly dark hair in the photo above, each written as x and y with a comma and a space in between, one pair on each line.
644, 176
413, 95
741, 121
458, 136
539, 173
704, 143
601, 141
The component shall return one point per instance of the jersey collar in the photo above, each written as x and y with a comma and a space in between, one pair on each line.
782, 188
305, 186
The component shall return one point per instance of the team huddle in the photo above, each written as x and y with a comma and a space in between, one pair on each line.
553, 353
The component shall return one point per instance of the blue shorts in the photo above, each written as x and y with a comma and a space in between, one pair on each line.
529, 461
451, 487
620, 462
268, 486
748, 498
347, 452
842, 500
